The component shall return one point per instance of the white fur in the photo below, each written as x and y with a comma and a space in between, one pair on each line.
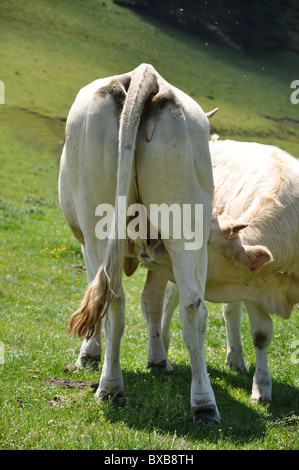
170, 163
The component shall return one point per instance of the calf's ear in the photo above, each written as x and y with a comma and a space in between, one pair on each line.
229, 229
235, 229
254, 257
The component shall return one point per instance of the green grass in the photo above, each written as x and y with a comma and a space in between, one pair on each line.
48, 51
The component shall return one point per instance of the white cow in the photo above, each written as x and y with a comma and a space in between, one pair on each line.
136, 136
253, 248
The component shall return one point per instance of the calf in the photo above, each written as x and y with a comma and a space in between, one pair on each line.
253, 248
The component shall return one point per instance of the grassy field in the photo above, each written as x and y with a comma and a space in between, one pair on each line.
49, 50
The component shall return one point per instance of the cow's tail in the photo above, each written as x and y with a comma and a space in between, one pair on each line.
86, 320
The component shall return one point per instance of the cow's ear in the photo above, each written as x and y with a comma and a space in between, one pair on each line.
254, 257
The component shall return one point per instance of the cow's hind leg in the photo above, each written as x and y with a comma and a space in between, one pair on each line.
261, 332
152, 303
234, 356
90, 352
190, 274
111, 382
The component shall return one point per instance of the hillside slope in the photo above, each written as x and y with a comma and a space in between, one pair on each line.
51, 49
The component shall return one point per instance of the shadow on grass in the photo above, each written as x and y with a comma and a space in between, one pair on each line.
162, 403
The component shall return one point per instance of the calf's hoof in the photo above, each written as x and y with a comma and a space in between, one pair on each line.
162, 366
256, 398
261, 390
239, 365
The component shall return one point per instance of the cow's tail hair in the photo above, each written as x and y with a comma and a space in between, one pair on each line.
86, 321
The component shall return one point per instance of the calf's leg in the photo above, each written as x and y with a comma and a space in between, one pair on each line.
261, 332
234, 356
171, 301
152, 303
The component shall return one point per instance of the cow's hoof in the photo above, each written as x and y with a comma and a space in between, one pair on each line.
161, 367
72, 368
116, 398
88, 360
206, 414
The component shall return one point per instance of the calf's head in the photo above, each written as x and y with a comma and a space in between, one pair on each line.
228, 255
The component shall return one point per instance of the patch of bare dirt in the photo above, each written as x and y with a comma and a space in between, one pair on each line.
70, 383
